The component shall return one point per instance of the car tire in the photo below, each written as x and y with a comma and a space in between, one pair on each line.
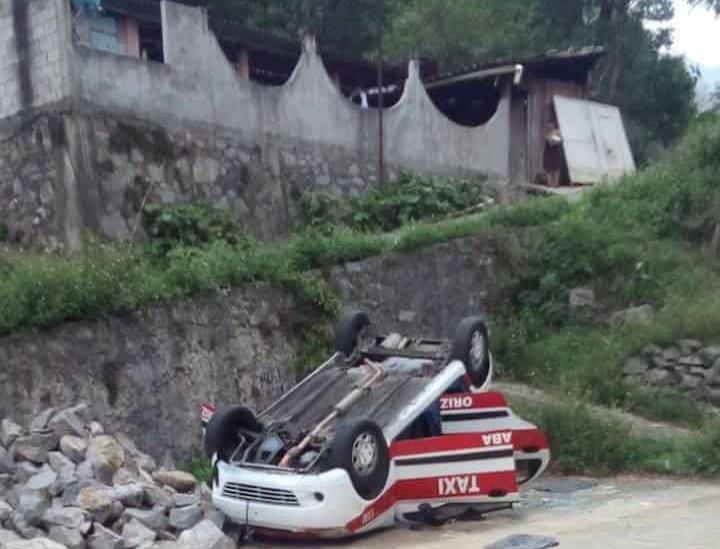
360, 448
222, 434
349, 329
471, 346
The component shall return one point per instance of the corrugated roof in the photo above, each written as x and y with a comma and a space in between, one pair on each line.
587, 55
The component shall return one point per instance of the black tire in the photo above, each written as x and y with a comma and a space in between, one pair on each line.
222, 431
348, 330
368, 474
477, 365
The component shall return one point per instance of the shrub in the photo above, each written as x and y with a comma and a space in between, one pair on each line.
190, 225
409, 198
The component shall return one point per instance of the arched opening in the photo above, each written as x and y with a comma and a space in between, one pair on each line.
358, 81
468, 102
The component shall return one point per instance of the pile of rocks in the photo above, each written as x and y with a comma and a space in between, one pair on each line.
688, 365
66, 484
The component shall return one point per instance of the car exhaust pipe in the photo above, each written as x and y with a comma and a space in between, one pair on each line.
340, 409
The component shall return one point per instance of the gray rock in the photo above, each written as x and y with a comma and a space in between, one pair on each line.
689, 346
25, 470
710, 354
9, 432
155, 518
7, 463
690, 382
712, 395
6, 536
183, 500
713, 374
116, 512
125, 477
131, 495
661, 377
633, 316
103, 538
205, 535
106, 456
136, 534
67, 422
179, 480
96, 429
671, 354
157, 495
22, 527
634, 380
651, 350
67, 537
64, 468
523, 541
581, 298
42, 481
692, 360
41, 421
73, 518
658, 361
635, 366
36, 543
143, 460
32, 505
96, 500
85, 471
5, 511
74, 448
184, 518
35, 447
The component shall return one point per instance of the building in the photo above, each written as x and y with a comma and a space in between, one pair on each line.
106, 105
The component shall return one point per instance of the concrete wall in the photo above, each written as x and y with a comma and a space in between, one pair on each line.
197, 85
231, 142
35, 45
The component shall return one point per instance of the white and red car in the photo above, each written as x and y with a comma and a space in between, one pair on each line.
390, 429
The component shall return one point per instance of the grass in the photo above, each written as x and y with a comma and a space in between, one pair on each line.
583, 443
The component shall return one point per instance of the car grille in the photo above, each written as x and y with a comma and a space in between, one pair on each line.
272, 496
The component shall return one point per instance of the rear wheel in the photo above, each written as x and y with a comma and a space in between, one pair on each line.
223, 432
359, 447
471, 346
349, 330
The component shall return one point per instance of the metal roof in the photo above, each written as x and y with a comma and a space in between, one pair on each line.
584, 57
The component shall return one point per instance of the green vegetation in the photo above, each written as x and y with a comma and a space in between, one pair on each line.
201, 468
409, 198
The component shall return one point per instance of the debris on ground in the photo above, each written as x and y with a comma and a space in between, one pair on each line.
523, 541
66, 483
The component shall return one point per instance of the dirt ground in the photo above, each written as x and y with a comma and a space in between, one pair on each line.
620, 513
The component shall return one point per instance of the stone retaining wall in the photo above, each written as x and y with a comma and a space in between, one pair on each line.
688, 365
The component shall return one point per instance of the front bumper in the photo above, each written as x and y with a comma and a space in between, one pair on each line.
321, 504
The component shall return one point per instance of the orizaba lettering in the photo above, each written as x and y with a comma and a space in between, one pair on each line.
497, 439
458, 486
456, 403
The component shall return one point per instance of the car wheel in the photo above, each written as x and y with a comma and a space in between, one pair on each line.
359, 447
471, 346
222, 434
349, 330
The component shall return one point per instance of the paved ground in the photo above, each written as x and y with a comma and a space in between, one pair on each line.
622, 513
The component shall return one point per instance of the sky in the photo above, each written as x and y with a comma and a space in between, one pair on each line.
697, 34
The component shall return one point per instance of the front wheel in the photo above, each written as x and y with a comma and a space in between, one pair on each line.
360, 448
223, 431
